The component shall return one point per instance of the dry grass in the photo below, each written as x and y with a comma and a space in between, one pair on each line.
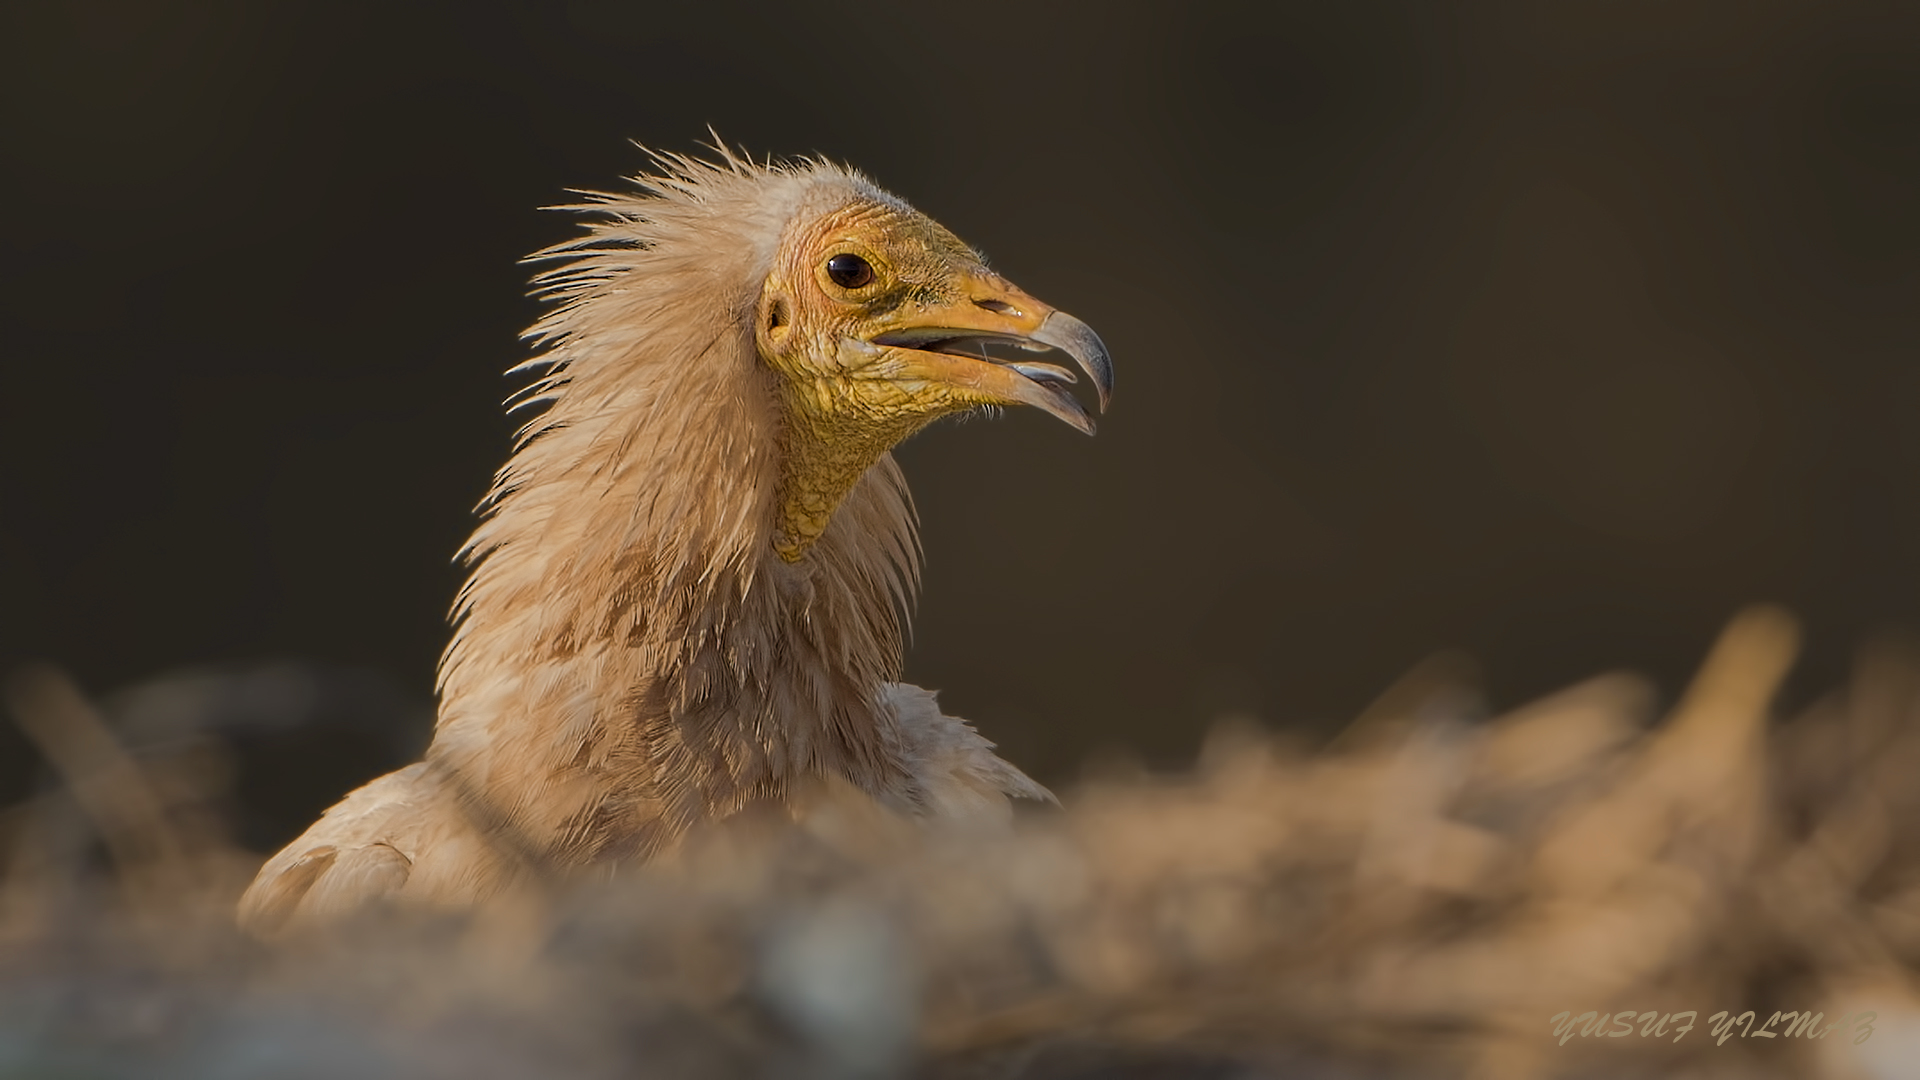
1419, 899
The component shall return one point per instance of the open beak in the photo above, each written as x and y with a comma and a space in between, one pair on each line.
947, 344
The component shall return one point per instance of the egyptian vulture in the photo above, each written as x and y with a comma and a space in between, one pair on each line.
690, 582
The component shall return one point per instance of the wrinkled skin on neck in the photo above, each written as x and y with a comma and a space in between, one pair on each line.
843, 400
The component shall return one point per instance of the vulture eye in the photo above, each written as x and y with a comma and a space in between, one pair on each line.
849, 271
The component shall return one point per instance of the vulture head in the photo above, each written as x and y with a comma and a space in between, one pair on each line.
690, 583
874, 320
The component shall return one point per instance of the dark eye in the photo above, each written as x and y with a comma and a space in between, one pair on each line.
849, 271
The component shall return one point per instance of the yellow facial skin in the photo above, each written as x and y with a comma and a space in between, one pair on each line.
853, 385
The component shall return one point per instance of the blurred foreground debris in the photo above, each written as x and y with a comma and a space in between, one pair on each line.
1421, 899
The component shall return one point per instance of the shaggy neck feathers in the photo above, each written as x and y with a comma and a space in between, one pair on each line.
631, 654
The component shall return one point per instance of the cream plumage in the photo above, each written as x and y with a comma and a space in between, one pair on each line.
691, 581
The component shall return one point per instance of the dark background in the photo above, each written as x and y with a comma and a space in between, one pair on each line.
1548, 333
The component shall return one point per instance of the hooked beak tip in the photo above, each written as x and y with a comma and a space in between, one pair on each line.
1075, 338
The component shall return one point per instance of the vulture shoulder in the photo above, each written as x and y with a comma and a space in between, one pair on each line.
402, 837
958, 776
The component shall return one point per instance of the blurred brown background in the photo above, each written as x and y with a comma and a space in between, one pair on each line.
1544, 333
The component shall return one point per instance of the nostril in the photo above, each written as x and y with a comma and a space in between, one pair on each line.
998, 307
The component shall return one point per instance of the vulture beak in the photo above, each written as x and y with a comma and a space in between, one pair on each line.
946, 344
